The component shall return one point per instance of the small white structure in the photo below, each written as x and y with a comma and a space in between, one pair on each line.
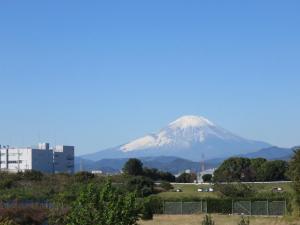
60, 159
188, 171
97, 172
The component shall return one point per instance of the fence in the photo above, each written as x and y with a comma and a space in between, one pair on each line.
182, 208
265, 207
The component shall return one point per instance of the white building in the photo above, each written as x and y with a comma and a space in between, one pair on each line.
60, 159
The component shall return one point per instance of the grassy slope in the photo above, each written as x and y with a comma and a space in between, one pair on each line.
219, 220
190, 190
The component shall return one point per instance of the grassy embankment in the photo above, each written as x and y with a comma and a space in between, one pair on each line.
219, 220
189, 191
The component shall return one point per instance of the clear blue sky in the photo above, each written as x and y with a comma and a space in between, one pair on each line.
97, 74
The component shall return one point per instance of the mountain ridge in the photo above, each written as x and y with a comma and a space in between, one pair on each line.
188, 137
176, 165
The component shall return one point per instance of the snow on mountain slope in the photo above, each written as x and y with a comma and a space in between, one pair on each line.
183, 132
188, 137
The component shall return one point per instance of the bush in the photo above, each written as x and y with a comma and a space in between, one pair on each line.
223, 206
7, 221
24, 215
103, 207
235, 190
208, 220
244, 221
166, 185
7, 180
84, 177
143, 186
156, 204
207, 178
147, 212
57, 216
31, 175
6, 183
156, 174
186, 178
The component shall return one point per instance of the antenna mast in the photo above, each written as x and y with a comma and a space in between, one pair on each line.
202, 162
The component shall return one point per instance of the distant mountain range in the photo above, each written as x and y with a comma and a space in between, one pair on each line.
189, 137
176, 164
182, 145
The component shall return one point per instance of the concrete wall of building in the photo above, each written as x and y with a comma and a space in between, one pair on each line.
16, 159
42, 160
63, 159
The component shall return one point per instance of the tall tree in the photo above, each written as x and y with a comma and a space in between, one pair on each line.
294, 172
233, 170
133, 167
186, 178
273, 171
255, 167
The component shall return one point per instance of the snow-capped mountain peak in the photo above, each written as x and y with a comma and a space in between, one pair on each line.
188, 137
190, 121
181, 132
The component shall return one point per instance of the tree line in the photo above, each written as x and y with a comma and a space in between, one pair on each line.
239, 169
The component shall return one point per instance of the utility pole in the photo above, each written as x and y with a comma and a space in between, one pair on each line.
203, 162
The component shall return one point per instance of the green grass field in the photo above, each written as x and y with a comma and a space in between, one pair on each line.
190, 190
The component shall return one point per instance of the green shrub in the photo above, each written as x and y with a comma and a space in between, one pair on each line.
6, 183
223, 206
103, 207
207, 220
244, 221
235, 190
207, 178
156, 204
166, 185
186, 178
7, 221
143, 186
147, 211
58, 216
31, 175
24, 215
84, 176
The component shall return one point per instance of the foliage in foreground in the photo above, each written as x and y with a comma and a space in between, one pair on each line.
22, 216
7, 221
207, 220
244, 221
103, 207
295, 176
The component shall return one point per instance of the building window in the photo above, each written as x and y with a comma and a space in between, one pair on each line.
14, 162
14, 154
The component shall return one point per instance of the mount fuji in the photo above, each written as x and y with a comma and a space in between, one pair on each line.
189, 137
